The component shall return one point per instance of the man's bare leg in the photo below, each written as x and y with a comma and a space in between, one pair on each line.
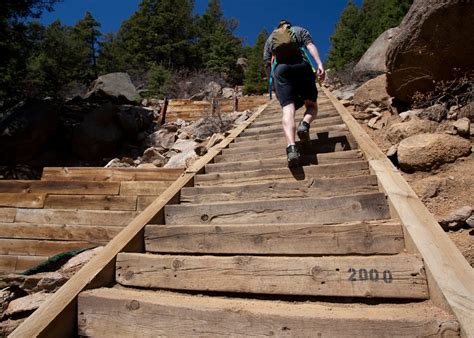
288, 121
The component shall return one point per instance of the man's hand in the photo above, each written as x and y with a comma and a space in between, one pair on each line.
321, 73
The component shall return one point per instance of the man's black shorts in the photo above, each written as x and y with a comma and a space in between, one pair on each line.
295, 83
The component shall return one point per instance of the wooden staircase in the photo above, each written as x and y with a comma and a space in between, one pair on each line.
240, 245
256, 248
71, 209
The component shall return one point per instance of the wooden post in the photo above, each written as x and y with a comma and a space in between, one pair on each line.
236, 100
163, 112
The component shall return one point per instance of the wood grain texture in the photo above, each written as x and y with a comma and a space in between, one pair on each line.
339, 157
18, 263
110, 174
77, 217
168, 314
311, 276
91, 202
144, 188
320, 123
284, 174
363, 238
97, 234
7, 215
60, 187
22, 200
314, 187
25, 247
310, 210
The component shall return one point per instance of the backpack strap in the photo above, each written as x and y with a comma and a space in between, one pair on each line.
270, 80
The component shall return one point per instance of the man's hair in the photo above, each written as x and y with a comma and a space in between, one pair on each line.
283, 22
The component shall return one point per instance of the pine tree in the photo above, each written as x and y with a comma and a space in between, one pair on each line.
255, 81
344, 43
87, 32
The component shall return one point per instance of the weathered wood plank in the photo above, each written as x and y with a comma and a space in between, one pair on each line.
319, 123
310, 210
170, 314
22, 200
73, 217
7, 215
339, 157
334, 124
399, 276
314, 187
91, 202
144, 201
143, 188
25, 247
284, 173
60, 187
364, 238
110, 174
9, 264
94, 234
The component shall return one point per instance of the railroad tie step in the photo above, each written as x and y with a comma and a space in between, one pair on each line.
355, 238
347, 169
313, 187
395, 276
325, 122
359, 207
306, 159
110, 312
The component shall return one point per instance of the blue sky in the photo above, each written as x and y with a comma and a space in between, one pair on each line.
318, 16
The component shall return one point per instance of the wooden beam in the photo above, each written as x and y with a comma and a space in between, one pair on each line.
19, 263
58, 315
22, 200
190, 316
356, 238
60, 187
451, 272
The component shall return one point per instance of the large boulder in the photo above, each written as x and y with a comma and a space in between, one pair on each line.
400, 131
25, 130
428, 151
134, 120
372, 92
374, 59
435, 43
114, 86
97, 136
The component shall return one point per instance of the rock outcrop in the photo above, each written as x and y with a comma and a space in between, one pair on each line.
372, 92
400, 131
374, 59
435, 42
425, 152
114, 86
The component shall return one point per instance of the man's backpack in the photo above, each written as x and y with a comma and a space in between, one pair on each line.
285, 48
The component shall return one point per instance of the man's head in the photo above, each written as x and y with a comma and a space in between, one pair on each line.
284, 22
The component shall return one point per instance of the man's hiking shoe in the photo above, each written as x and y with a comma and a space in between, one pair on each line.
293, 156
303, 131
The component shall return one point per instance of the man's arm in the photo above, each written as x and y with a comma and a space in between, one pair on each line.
313, 50
267, 57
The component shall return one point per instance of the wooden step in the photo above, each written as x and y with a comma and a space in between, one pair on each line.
121, 312
339, 157
277, 130
347, 169
25, 247
74, 217
328, 158
331, 121
399, 276
363, 238
7, 215
315, 187
143, 188
63, 232
22, 200
18, 263
339, 131
276, 118
269, 150
110, 174
91, 202
327, 121
59, 187
339, 209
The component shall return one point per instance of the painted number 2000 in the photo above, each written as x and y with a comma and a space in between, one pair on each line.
372, 275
